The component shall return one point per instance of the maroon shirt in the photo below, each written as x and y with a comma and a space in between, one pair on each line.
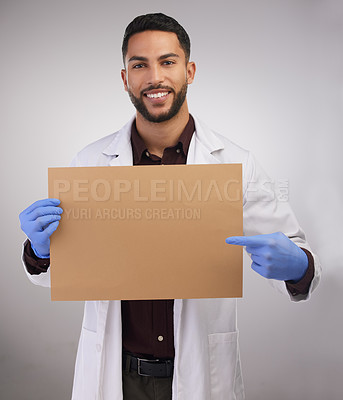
148, 328
147, 325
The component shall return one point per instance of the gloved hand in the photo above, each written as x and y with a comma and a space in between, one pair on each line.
39, 221
274, 256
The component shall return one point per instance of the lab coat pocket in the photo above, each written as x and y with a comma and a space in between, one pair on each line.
223, 349
90, 316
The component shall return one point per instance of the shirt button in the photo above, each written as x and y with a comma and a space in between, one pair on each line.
160, 338
98, 347
178, 150
147, 154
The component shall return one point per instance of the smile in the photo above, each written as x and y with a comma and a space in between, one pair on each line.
156, 95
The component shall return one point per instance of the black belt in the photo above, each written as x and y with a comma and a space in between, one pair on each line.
144, 367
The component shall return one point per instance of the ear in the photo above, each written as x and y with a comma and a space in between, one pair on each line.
191, 68
124, 79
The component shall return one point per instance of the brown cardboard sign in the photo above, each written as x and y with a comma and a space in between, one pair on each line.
147, 232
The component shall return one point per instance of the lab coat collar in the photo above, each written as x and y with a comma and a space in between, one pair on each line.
202, 149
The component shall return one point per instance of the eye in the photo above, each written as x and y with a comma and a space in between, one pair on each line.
137, 66
169, 62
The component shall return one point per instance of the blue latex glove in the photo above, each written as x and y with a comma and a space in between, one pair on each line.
274, 256
39, 221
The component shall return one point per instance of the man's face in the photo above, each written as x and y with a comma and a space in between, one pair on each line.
156, 75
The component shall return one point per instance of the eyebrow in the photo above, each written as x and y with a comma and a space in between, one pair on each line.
168, 55
163, 57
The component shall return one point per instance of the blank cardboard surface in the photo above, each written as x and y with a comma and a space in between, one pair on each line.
147, 232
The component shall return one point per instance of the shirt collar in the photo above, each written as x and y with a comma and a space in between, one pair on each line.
139, 147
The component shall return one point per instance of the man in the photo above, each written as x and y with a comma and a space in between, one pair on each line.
170, 349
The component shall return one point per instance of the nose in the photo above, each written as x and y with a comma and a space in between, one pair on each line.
155, 75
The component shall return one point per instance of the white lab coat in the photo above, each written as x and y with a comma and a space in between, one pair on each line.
207, 363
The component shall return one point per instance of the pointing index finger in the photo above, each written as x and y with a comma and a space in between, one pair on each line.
252, 241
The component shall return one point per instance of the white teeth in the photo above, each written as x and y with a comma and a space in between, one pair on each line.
156, 95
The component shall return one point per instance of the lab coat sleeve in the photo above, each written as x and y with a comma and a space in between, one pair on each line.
42, 279
265, 211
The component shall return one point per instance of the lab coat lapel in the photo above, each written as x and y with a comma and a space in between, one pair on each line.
120, 149
204, 146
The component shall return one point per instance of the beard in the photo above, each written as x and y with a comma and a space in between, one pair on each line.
179, 99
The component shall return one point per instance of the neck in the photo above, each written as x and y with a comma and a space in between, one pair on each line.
158, 136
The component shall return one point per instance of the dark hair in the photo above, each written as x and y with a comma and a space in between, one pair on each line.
156, 22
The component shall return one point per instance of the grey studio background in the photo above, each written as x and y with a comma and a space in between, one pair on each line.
269, 77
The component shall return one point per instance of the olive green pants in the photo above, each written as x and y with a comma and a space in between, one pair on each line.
136, 387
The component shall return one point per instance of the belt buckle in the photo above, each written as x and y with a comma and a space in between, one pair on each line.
139, 360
